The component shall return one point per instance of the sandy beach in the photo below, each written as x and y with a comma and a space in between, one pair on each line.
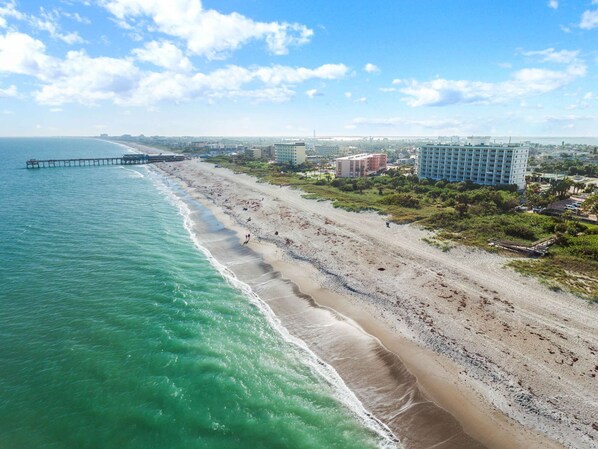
420, 335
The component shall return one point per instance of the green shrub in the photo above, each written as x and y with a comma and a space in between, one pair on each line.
402, 199
520, 231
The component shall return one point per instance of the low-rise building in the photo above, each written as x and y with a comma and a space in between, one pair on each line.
290, 153
253, 153
360, 165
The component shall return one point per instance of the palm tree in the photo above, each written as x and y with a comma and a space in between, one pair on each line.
590, 205
561, 187
577, 186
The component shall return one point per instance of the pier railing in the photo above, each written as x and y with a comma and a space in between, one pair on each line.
127, 159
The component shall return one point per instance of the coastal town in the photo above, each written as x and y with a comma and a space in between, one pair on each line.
298, 225
526, 198
451, 276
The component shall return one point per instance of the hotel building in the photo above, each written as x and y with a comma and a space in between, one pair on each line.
478, 162
290, 153
360, 165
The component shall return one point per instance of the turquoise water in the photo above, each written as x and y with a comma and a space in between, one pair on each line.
117, 332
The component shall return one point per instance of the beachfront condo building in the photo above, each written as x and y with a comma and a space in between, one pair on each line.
481, 163
360, 165
290, 153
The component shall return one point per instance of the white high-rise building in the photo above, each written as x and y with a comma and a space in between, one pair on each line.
482, 164
290, 153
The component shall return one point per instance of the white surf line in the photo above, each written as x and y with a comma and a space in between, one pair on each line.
324, 370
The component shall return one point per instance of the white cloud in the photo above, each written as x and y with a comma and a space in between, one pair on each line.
551, 55
397, 81
10, 91
121, 82
48, 21
311, 93
9, 9
77, 17
89, 80
565, 29
292, 75
164, 54
82, 79
388, 89
56, 110
208, 32
589, 19
371, 68
21, 54
360, 100
584, 103
554, 4
525, 82
348, 94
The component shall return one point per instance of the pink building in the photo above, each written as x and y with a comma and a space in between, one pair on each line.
360, 165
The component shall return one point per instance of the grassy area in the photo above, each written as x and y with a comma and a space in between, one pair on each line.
478, 230
562, 272
459, 212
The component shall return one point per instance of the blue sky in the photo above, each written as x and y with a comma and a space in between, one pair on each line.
285, 68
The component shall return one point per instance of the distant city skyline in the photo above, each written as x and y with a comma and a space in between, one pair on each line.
281, 68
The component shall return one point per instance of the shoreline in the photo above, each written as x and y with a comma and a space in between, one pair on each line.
441, 377
290, 294
491, 429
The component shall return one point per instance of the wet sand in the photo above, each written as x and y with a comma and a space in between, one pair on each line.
432, 332
375, 374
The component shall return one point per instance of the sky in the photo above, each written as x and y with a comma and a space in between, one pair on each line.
292, 68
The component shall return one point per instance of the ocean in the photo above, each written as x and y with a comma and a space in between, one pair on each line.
119, 330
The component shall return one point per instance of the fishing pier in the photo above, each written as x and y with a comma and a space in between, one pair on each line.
127, 159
